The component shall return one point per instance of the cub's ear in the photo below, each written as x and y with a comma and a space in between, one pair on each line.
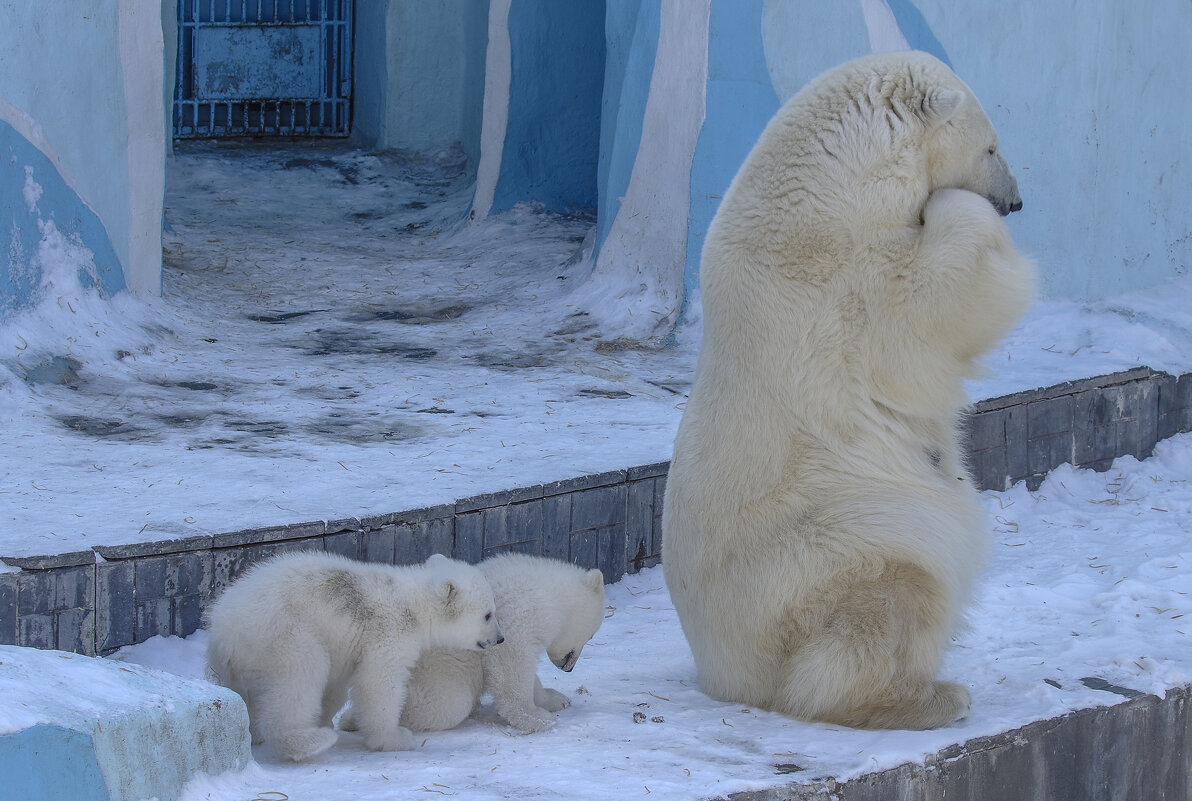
449, 595
594, 579
939, 105
436, 559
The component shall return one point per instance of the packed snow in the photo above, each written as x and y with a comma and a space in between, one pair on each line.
335, 338
1087, 600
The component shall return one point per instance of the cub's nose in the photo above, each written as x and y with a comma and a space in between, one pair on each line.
1016, 206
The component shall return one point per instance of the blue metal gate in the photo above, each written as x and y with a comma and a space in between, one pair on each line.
263, 68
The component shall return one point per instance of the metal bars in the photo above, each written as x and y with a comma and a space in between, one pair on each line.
263, 68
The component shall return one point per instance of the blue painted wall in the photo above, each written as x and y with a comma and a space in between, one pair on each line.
552, 138
34, 197
740, 101
82, 104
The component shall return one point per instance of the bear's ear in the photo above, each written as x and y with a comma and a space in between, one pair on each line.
449, 593
594, 579
436, 559
940, 105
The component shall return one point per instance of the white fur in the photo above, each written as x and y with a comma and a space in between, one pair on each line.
544, 605
820, 529
294, 633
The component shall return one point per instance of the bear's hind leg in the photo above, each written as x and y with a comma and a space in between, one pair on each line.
288, 706
873, 662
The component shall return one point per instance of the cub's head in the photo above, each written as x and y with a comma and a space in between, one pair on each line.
466, 613
582, 617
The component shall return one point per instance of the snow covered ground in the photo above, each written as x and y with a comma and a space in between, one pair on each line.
1089, 580
335, 340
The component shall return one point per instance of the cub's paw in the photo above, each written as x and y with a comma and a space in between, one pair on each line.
304, 744
398, 739
529, 722
552, 700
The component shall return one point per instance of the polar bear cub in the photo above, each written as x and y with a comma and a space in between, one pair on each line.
545, 605
293, 634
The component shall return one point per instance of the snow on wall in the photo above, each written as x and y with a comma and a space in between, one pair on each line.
82, 106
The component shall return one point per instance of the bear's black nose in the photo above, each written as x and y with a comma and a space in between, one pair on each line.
1016, 206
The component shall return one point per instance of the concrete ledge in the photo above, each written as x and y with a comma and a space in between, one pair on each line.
1133, 751
96, 601
73, 727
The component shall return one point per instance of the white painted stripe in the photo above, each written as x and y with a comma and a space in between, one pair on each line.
884, 34
637, 285
142, 63
498, 67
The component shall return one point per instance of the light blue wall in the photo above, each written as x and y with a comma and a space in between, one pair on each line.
631, 43
32, 193
552, 137
82, 105
419, 74
740, 101
1090, 100
1092, 103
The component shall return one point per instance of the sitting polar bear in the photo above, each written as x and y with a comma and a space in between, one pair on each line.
293, 634
820, 532
545, 606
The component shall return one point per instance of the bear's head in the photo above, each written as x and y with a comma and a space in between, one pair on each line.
582, 617
467, 610
962, 147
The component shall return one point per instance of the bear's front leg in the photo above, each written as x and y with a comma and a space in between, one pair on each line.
967, 285
378, 695
513, 681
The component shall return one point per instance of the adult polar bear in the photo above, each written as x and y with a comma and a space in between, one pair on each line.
820, 530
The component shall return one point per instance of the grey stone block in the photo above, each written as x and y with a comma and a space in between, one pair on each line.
377, 545
230, 563
556, 527
1017, 451
639, 522
187, 615
154, 617
598, 508
115, 605
75, 631
36, 631
415, 542
174, 575
584, 548
344, 543
469, 537
515, 523
8, 608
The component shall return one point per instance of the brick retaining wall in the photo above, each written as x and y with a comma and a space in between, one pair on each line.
96, 601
